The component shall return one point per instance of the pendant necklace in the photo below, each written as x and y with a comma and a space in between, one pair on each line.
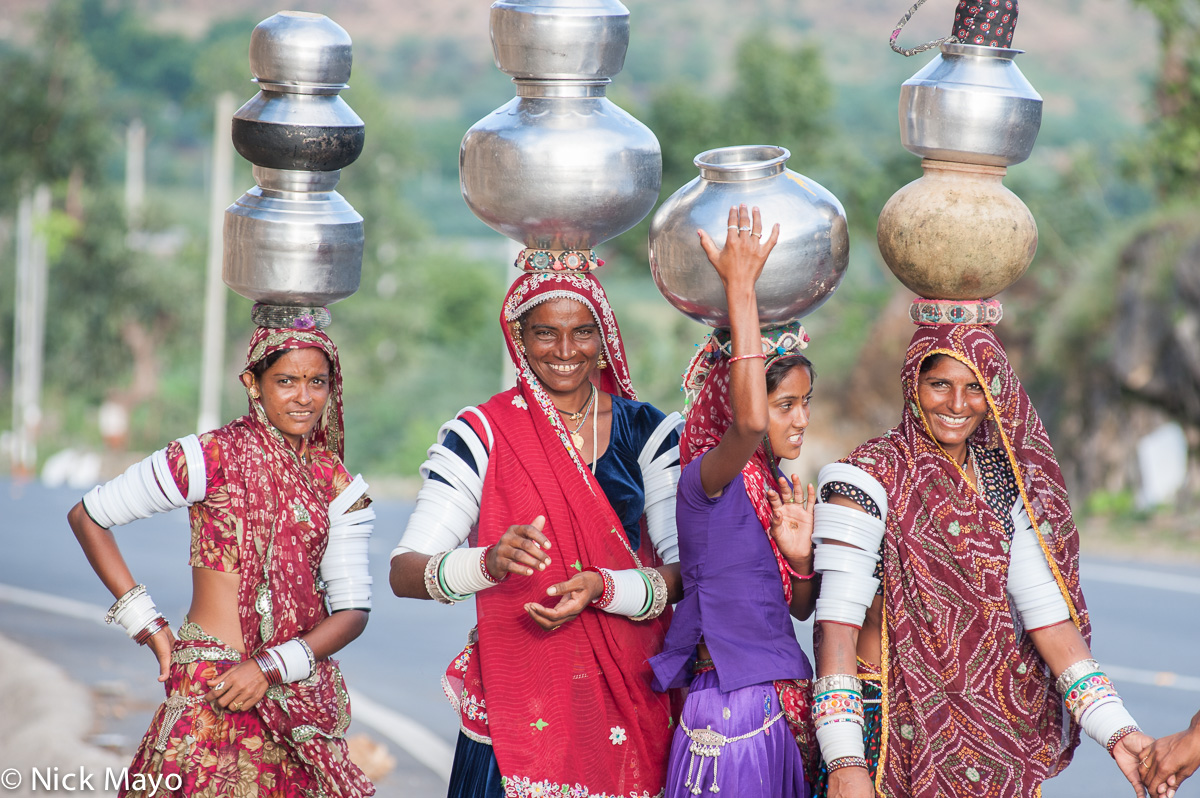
582, 415
975, 470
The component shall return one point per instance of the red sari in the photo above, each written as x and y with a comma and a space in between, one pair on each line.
969, 707
290, 743
569, 712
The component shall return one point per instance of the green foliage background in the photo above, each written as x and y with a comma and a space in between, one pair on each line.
419, 340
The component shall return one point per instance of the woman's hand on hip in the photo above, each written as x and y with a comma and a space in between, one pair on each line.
577, 593
520, 550
792, 521
162, 643
239, 688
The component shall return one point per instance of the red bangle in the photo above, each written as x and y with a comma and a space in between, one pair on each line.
736, 358
483, 569
610, 587
156, 624
795, 575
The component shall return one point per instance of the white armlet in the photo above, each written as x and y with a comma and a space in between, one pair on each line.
344, 567
446, 513
1104, 718
463, 571
838, 740
660, 478
853, 475
147, 487
848, 582
1031, 585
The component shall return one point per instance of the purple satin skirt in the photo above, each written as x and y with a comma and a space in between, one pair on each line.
766, 765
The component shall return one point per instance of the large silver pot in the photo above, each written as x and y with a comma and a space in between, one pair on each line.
802, 271
293, 240
560, 167
970, 104
560, 39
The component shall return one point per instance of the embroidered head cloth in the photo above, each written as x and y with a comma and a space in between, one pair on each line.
573, 706
965, 693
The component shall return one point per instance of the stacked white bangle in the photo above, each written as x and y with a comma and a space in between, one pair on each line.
446, 512
147, 487
839, 718
294, 659
660, 477
1035, 593
345, 567
630, 593
137, 615
848, 583
464, 571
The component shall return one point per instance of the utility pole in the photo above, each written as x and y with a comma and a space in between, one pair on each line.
214, 297
29, 329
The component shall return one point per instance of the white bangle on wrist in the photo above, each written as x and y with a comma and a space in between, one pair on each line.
462, 569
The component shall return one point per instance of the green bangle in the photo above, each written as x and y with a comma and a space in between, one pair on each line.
649, 595
450, 594
1075, 683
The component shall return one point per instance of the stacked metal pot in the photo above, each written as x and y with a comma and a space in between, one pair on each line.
292, 243
560, 168
957, 236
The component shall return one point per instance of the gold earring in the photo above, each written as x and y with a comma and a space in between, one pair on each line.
601, 363
253, 393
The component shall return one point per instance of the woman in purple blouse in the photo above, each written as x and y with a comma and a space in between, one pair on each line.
745, 545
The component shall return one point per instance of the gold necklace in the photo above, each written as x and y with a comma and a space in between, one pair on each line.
576, 438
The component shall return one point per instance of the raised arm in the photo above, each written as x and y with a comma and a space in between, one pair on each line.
739, 264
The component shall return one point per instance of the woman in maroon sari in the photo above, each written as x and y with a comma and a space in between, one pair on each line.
254, 703
952, 654
550, 483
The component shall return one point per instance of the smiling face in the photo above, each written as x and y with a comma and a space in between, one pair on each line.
562, 344
953, 402
293, 391
788, 408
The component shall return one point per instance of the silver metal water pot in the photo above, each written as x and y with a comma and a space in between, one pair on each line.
970, 104
802, 271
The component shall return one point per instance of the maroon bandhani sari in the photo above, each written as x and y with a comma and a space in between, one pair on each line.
291, 743
569, 712
969, 707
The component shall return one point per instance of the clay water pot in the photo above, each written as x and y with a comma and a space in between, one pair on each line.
957, 232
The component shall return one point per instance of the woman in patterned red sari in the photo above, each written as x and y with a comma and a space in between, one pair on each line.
952, 645
255, 705
564, 487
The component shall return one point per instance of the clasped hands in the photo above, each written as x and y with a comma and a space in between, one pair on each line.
1164, 764
521, 550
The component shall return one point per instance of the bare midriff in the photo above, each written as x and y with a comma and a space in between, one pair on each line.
215, 605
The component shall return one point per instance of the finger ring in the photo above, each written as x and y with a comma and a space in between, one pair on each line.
220, 686
745, 229
757, 234
1146, 762
236, 706
731, 227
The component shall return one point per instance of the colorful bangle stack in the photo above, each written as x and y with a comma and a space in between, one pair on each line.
656, 595
847, 762
435, 583
610, 587
483, 569
270, 668
839, 718
1086, 691
1119, 735
1094, 703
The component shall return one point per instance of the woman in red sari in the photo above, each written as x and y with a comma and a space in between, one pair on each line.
952, 646
549, 483
255, 704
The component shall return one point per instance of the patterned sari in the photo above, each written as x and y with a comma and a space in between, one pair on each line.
291, 743
569, 712
968, 705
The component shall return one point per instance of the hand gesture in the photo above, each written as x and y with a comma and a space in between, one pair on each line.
161, 643
850, 783
744, 254
577, 593
1166, 762
1127, 754
520, 550
239, 688
792, 522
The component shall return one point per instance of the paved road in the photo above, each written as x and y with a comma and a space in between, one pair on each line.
1143, 617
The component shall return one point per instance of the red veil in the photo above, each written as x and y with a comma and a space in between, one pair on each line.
968, 705
571, 709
